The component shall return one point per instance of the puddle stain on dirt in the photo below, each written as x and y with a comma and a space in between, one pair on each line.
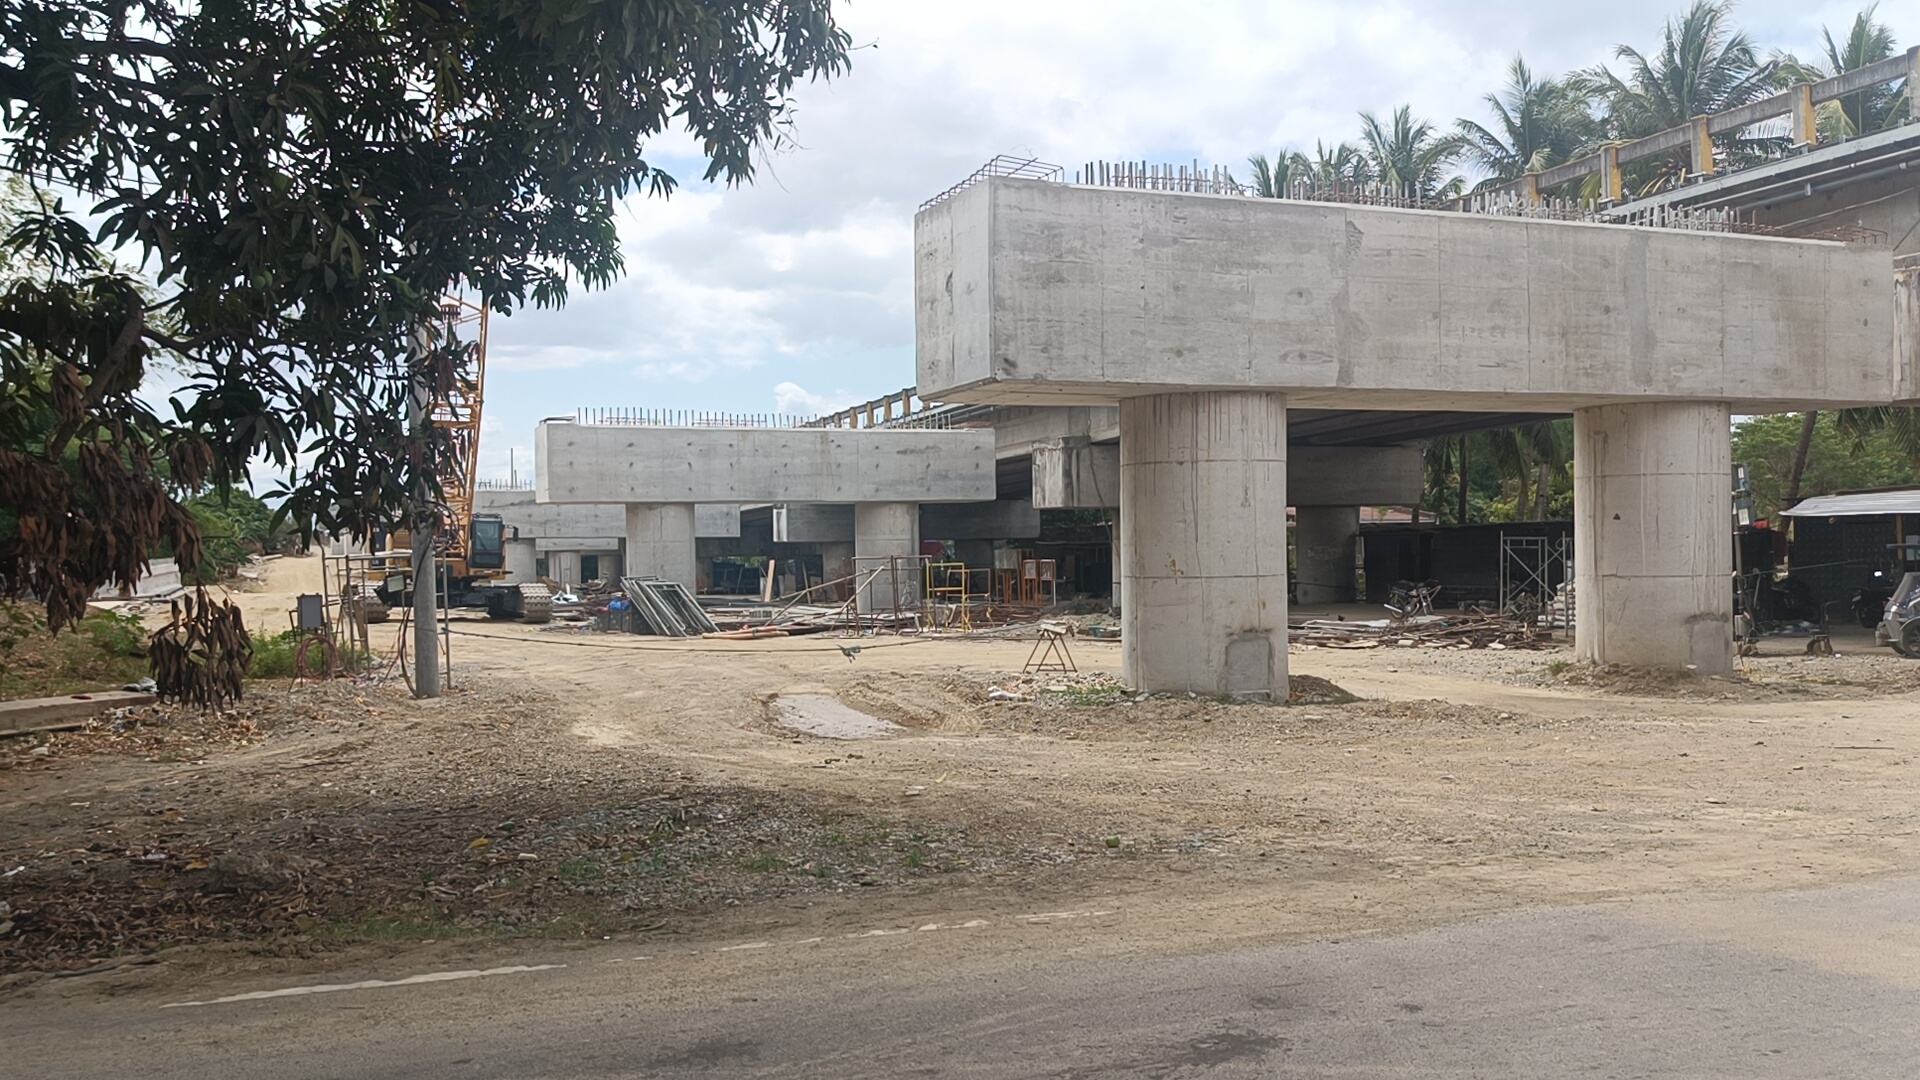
827, 717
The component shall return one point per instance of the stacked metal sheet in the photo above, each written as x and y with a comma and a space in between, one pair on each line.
665, 608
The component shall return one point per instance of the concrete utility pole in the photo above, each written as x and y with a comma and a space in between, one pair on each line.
426, 638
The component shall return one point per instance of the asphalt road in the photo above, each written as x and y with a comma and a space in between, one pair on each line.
1824, 983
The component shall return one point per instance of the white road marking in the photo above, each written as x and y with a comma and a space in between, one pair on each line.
895, 931
369, 984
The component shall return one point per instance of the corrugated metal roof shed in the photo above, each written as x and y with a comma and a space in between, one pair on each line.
1859, 504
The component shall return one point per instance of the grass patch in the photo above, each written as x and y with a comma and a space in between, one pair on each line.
103, 651
582, 872
1086, 696
1558, 667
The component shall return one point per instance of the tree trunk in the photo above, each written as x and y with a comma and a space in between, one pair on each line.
1807, 421
1540, 493
1461, 518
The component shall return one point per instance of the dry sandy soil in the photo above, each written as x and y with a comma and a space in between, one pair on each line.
584, 786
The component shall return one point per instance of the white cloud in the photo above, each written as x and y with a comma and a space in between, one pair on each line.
805, 277
792, 399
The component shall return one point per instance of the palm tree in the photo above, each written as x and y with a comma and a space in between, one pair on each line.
1537, 123
1528, 458
1704, 65
1871, 109
1341, 167
1902, 425
1275, 179
1409, 157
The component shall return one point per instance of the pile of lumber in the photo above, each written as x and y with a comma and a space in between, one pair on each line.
1464, 631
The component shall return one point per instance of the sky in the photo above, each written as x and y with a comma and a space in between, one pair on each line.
795, 294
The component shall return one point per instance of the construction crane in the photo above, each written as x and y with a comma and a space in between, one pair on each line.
472, 545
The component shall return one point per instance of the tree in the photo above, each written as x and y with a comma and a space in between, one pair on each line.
1275, 179
1537, 123
1409, 156
1837, 461
1874, 108
1332, 169
305, 180
1704, 65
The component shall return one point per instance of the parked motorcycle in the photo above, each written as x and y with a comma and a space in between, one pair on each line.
1869, 603
1407, 599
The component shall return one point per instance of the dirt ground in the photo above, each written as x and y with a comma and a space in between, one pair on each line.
585, 786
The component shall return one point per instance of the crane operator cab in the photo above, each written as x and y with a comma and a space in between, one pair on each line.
487, 543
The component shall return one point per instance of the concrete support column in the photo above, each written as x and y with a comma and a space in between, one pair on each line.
1203, 496
1323, 547
879, 530
660, 542
1652, 535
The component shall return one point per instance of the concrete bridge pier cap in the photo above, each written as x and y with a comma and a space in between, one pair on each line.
1203, 497
1206, 315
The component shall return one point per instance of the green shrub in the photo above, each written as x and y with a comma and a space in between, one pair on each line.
274, 657
115, 635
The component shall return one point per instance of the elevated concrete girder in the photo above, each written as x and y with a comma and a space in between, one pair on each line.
1040, 293
660, 473
1070, 474
1029, 292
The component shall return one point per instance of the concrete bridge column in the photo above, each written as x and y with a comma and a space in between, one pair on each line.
1653, 544
879, 530
1203, 482
660, 542
1323, 545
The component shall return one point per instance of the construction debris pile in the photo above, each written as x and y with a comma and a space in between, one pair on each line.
1460, 631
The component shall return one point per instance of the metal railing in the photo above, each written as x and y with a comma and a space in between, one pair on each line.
615, 415
1001, 165
1797, 103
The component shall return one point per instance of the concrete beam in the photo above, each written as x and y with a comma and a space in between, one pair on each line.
1043, 293
55, 713
1007, 519
1355, 475
550, 521
589, 463
1071, 474
812, 523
